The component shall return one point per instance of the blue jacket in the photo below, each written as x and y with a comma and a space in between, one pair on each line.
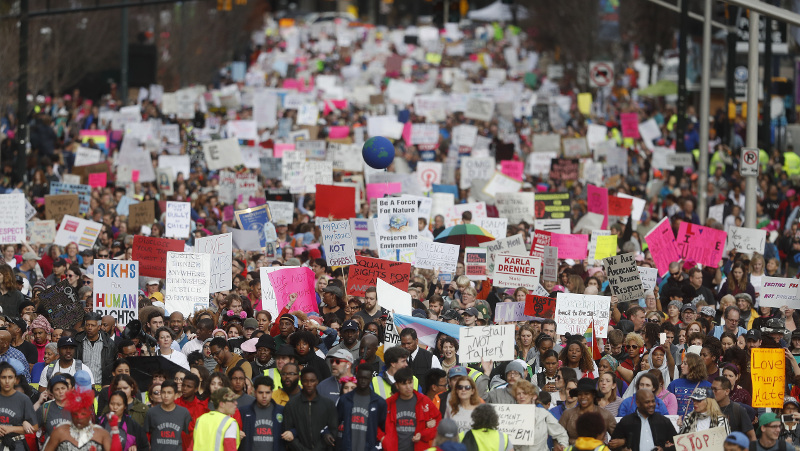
248, 414
375, 421
628, 406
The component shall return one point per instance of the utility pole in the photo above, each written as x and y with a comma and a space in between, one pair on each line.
22, 91
752, 117
705, 94
123, 64
680, 129
766, 107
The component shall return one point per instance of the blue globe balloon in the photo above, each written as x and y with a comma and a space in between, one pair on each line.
378, 152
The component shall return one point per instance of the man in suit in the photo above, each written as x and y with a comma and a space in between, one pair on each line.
419, 360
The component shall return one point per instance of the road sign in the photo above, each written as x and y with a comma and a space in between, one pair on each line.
749, 166
740, 83
601, 73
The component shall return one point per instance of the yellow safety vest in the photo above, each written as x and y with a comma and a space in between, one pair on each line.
384, 390
275, 375
209, 431
488, 439
791, 163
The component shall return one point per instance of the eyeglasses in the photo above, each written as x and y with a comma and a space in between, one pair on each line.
464, 387
634, 347
102, 255
214, 354
450, 290
69, 276
290, 374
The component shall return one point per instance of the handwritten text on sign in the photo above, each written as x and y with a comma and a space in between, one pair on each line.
220, 247
768, 370
337, 238
710, 439
518, 421
779, 291
486, 343
441, 256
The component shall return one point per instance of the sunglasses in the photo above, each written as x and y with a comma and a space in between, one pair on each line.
337, 361
102, 255
653, 320
634, 347
465, 387
86, 282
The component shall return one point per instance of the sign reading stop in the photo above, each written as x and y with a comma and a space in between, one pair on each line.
749, 166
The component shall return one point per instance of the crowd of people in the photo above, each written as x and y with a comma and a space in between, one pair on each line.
235, 375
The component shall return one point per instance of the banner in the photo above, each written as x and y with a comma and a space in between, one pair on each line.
576, 312
220, 248
623, 277
479, 343
397, 226
712, 439
540, 306
299, 281
518, 421
80, 231
779, 292
516, 271
151, 253
701, 244
178, 221
746, 240
433, 255
475, 263
662, 245
516, 207
768, 371
12, 218
366, 272
427, 329
337, 242
116, 289
187, 282
552, 205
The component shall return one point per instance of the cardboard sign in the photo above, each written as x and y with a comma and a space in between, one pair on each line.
701, 244
397, 227
220, 248
336, 201
575, 247
512, 245
299, 281
575, 312
393, 299
151, 253
84, 193
662, 245
516, 207
41, 232
366, 272
648, 276
768, 372
61, 303
178, 221
12, 218
518, 421
76, 230
337, 241
486, 343
441, 256
550, 264
116, 289
497, 227
188, 280
708, 440
779, 292
475, 263
142, 213
540, 306
507, 312
516, 271
746, 240
623, 276
552, 205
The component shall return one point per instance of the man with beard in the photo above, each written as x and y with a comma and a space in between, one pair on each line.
290, 379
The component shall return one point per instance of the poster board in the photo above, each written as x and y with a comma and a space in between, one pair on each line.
337, 241
517, 271
151, 253
623, 276
80, 231
116, 289
366, 272
768, 373
188, 282
220, 248
486, 343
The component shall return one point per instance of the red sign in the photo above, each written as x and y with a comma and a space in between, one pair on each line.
151, 253
541, 238
366, 272
619, 206
336, 201
540, 306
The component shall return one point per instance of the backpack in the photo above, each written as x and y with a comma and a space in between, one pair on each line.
52, 367
781, 445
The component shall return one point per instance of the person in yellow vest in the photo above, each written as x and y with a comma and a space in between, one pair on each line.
484, 435
217, 430
396, 358
791, 163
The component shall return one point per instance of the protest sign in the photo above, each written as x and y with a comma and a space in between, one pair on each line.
746, 240
178, 220
779, 292
550, 264
648, 276
142, 213
363, 233
76, 230
479, 109
453, 215
314, 172
564, 170
552, 205
86, 156
623, 277
366, 272
575, 148
254, 219
475, 263
393, 299
98, 179
662, 245
314, 149
547, 142
84, 193
397, 227
606, 246
486, 343
512, 168
497, 227
299, 281
630, 125
246, 240
768, 372
151, 253
220, 248
511, 245
570, 246
188, 281
507, 312
271, 168
553, 225
62, 305
711, 439
245, 186
516, 271
597, 202
515, 207
541, 238
518, 421
41, 232
116, 289
164, 177
701, 244
475, 168
593, 244
12, 218
282, 212
336, 201
500, 183
540, 306
391, 337
337, 241
576, 312
428, 174
433, 255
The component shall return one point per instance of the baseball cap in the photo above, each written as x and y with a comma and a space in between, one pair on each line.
19, 322
57, 379
59, 262
472, 311
687, 307
791, 400
265, 341
152, 282
447, 428
457, 371
418, 313
82, 379
739, 439
350, 325
30, 256
341, 354
699, 394
65, 342
767, 418
753, 334
249, 345
250, 323
158, 296
450, 315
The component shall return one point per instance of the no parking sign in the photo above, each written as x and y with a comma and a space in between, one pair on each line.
601, 73
749, 166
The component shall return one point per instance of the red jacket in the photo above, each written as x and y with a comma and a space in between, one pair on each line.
425, 411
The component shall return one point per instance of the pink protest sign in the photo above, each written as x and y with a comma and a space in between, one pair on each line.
573, 246
378, 190
407, 133
280, 148
135, 175
227, 213
700, 244
293, 83
98, 180
512, 168
597, 202
662, 246
630, 125
338, 131
298, 281
331, 105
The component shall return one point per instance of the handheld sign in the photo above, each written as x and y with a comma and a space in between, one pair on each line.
337, 240
517, 271
116, 289
707, 440
768, 371
486, 343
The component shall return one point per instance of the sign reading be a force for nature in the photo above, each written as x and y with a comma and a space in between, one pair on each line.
517, 271
188, 277
337, 239
486, 343
624, 278
116, 289
768, 371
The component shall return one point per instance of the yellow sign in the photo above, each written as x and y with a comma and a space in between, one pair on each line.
585, 103
606, 247
433, 58
768, 370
